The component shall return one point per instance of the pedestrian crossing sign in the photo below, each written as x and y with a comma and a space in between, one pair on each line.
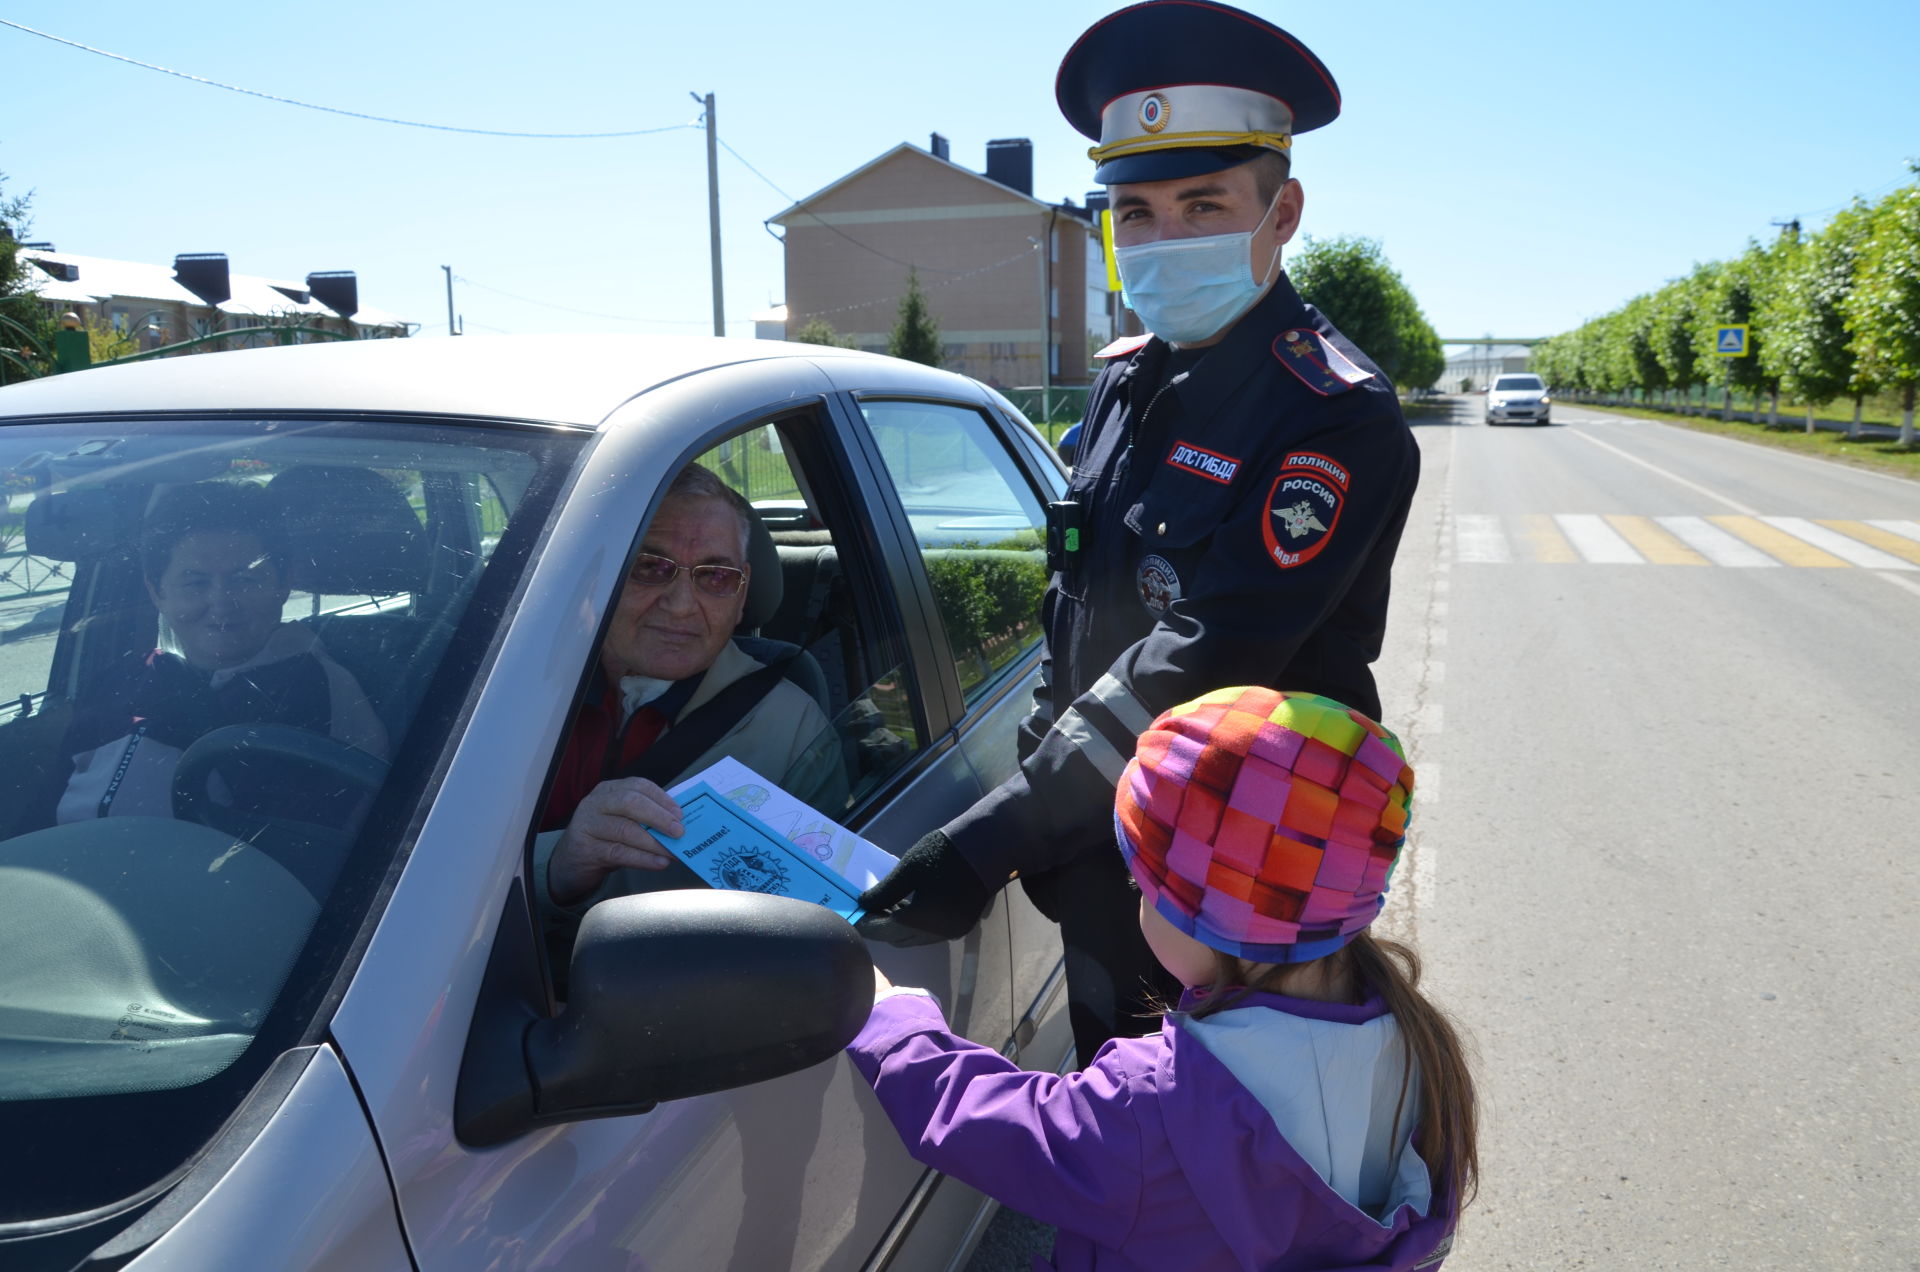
1730, 341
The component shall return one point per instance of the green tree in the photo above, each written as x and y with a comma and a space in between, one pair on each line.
1422, 360
1632, 339
1741, 288
1883, 309
1806, 347
915, 335
26, 328
1350, 281
1676, 319
820, 332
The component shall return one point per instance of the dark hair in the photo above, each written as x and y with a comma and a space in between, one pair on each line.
1447, 1136
220, 507
1270, 171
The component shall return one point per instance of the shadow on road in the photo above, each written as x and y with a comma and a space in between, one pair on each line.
1450, 411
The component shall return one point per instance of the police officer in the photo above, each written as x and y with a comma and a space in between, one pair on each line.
1239, 489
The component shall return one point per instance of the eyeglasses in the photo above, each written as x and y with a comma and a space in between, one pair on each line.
649, 570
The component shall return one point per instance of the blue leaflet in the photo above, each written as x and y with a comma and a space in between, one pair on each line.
733, 849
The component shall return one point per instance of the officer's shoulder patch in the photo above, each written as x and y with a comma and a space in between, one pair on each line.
1303, 507
1124, 346
1320, 366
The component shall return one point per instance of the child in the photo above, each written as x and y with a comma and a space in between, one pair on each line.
1305, 1107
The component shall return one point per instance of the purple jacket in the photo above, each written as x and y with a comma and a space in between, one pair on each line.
1159, 1156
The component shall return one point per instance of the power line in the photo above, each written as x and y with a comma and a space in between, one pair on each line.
1858, 198
335, 110
931, 269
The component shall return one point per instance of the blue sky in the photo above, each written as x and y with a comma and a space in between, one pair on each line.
1525, 166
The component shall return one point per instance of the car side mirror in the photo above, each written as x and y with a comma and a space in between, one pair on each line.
671, 994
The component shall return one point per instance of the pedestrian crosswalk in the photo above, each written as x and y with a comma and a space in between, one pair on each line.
1734, 542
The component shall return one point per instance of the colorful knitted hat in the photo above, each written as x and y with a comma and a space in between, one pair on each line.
1265, 824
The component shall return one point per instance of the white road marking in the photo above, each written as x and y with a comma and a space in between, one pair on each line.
1597, 541
1897, 581
1715, 544
1478, 538
1840, 545
1905, 529
1429, 719
1734, 504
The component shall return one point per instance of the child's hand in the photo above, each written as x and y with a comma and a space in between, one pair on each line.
880, 982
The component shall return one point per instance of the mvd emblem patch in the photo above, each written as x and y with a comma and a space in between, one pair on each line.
1303, 508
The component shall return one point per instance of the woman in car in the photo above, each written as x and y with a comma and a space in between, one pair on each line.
213, 563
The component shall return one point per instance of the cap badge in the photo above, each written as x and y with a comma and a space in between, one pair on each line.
1153, 112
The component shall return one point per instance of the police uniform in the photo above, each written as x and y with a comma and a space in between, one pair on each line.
1233, 513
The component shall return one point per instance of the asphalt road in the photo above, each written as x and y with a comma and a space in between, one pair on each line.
1665, 863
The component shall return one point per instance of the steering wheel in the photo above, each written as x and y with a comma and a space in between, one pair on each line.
347, 776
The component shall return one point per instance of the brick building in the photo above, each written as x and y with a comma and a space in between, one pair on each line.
1006, 275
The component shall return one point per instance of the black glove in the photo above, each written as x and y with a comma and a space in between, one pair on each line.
944, 896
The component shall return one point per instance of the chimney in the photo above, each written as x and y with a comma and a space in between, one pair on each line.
1097, 202
205, 275
939, 148
337, 289
1010, 162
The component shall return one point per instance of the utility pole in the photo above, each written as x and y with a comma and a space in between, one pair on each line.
452, 330
713, 209
1046, 334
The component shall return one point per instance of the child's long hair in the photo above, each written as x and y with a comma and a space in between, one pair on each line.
1447, 1135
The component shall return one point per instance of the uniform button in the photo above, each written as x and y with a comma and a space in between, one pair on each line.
1162, 529
1292, 336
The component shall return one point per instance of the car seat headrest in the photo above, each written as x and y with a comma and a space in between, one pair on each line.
349, 531
766, 585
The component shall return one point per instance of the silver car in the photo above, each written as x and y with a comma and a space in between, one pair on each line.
1519, 399
328, 1027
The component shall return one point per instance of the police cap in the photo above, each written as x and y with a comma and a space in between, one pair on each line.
1181, 88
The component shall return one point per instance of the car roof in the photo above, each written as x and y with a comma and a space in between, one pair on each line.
566, 379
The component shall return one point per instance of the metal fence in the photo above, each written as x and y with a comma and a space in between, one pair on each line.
1062, 405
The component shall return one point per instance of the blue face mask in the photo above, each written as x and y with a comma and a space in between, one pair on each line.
1188, 289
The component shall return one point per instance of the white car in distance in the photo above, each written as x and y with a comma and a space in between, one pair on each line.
1518, 399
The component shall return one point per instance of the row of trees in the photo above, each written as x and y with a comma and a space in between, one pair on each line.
1350, 281
1834, 315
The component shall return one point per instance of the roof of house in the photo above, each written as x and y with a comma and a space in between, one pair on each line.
1487, 353
102, 279
902, 148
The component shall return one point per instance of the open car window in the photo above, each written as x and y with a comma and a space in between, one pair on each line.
229, 650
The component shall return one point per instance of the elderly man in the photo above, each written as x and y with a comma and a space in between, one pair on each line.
668, 660
1238, 492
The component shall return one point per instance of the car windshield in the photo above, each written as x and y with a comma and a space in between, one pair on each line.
229, 651
1517, 384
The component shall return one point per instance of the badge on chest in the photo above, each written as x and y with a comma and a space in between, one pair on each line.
1157, 584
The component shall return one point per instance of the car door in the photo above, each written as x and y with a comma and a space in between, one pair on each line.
801, 1172
970, 479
